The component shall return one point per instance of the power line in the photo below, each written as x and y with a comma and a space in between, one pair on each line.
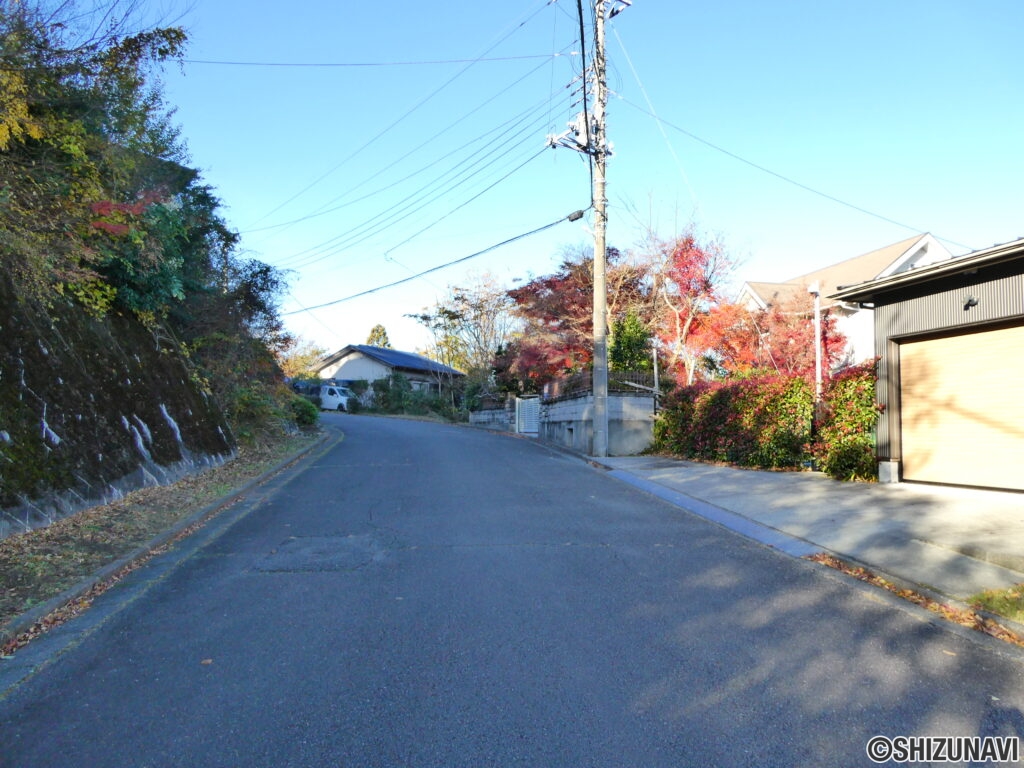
415, 150
586, 110
401, 119
786, 179
575, 216
410, 205
332, 331
344, 64
467, 202
334, 250
661, 127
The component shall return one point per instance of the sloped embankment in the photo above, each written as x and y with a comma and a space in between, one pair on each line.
91, 408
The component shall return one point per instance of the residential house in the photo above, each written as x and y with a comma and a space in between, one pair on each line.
361, 361
854, 321
950, 337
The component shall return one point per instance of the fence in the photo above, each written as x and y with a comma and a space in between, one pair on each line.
582, 383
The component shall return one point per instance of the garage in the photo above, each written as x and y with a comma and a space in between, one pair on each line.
949, 338
962, 413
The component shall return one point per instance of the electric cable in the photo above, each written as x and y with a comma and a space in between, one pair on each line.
786, 179
664, 135
586, 109
401, 119
574, 216
353, 190
313, 65
414, 202
335, 250
467, 202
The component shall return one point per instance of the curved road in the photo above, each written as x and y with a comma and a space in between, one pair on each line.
426, 595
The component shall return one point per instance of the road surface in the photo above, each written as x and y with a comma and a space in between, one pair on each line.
429, 595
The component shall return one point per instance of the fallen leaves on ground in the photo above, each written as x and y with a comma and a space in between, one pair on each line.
38, 565
965, 617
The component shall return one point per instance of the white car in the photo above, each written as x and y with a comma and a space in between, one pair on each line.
335, 398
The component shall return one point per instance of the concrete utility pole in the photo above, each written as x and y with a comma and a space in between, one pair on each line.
587, 135
599, 147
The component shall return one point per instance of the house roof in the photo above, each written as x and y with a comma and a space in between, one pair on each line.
878, 263
868, 291
403, 361
772, 293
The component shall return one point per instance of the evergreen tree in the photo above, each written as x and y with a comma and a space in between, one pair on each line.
379, 337
631, 345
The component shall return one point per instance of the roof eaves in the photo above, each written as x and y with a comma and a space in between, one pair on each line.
866, 291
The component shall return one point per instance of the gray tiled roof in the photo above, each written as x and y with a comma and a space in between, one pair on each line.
404, 360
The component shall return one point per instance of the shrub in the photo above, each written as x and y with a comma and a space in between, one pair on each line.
250, 410
391, 395
763, 422
257, 411
845, 448
304, 411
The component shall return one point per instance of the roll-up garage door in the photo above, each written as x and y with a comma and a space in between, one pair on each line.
962, 409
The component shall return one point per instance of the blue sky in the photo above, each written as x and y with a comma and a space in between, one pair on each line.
433, 148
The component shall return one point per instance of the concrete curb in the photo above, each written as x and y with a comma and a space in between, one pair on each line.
800, 549
33, 616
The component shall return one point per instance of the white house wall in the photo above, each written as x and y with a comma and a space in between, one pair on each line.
859, 330
356, 366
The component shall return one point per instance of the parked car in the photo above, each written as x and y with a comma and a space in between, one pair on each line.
335, 398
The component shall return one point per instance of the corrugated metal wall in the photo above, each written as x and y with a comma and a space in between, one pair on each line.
938, 308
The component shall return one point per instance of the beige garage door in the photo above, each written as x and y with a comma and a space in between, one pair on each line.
962, 409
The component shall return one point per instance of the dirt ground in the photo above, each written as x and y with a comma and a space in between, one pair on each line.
41, 564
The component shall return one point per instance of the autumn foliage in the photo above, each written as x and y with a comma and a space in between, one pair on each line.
766, 422
760, 422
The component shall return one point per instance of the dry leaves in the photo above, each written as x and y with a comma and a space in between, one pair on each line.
38, 565
965, 617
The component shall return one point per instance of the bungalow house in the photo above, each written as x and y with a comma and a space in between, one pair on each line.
854, 321
950, 337
361, 361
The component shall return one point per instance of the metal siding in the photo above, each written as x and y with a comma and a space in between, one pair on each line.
937, 307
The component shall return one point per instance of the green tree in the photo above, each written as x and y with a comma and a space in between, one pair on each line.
299, 360
97, 208
470, 326
379, 337
86, 147
631, 344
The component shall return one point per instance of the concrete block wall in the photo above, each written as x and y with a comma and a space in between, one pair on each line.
569, 423
499, 419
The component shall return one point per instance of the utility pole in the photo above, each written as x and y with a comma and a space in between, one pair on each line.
587, 135
599, 147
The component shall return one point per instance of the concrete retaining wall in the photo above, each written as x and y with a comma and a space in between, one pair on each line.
500, 419
630, 423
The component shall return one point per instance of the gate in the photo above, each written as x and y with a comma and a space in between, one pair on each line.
527, 415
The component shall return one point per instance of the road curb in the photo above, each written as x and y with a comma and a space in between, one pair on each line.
38, 614
800, 549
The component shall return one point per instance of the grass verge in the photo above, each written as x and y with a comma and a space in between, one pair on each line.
39, 565
965, 617
1006, 602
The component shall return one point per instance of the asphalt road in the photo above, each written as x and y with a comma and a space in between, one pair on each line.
424, 595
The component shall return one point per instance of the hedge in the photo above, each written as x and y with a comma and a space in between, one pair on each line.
767, 423
845, 448
763, 422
